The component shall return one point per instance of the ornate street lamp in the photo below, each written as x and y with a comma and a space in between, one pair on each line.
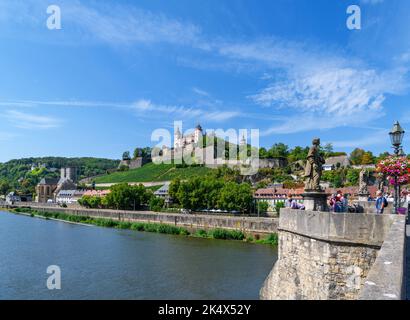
396, 137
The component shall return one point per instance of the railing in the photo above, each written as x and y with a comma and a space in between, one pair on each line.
386, 279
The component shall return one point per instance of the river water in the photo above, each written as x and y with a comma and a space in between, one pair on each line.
102, 263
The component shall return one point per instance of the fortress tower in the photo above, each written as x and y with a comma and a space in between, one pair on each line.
181, 141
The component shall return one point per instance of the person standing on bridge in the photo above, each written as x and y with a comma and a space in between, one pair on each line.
381, 202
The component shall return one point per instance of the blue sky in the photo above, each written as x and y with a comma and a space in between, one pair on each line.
118, 70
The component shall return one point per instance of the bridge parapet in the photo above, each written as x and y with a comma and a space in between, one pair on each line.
325, 255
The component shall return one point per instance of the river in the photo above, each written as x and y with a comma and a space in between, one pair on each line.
102, 263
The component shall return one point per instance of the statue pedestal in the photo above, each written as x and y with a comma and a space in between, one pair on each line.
363, 197
315, 200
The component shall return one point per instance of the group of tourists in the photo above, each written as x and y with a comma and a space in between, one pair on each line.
339, 202
293, 204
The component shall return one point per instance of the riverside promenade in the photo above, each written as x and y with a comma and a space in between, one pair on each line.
252, 225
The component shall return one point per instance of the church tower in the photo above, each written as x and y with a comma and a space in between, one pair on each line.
178, 139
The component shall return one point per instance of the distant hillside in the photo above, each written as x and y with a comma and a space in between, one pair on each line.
17, 174
152, 172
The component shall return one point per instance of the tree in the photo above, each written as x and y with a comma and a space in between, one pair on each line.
236, 197
142, 152
368, 158
126, 155
93, 202
5, 187
137, 153
328, 149
156, 203
263, 207
298, 153
173, 188
126, 197
263, 153
383, 156
352, 177
212, 192
278, 150
356, 157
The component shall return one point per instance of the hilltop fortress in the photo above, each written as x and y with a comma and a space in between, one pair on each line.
199, 147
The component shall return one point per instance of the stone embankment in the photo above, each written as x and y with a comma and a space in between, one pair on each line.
252, 225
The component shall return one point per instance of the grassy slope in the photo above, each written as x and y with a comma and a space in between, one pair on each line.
152, 172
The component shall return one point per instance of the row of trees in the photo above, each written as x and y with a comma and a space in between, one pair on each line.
281, 150
342, 177
124, 197
358, 156
138, 152
212, 192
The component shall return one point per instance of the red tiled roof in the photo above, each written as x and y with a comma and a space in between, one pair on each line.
100, 193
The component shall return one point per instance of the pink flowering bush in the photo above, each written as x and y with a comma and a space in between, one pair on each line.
395, 166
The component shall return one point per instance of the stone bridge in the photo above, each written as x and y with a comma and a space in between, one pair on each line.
325, 255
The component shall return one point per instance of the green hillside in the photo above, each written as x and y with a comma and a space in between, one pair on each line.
17, 175
152, 172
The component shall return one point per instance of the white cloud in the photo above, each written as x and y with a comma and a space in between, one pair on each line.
127, 24
30, 121
147, 107
319, 84
303, 122
337, 91
200, 92
221, 115
143, 107
371, 1
380, 137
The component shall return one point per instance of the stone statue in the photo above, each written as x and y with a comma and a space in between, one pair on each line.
381, 182
313, 169
363, 181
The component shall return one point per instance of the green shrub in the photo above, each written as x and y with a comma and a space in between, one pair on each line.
124, 225
137, 226
150, 227
164, 228
184, 232
201, 233
227, 234
271, 239
236, 235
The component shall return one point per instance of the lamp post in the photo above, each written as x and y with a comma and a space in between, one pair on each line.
396, 137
